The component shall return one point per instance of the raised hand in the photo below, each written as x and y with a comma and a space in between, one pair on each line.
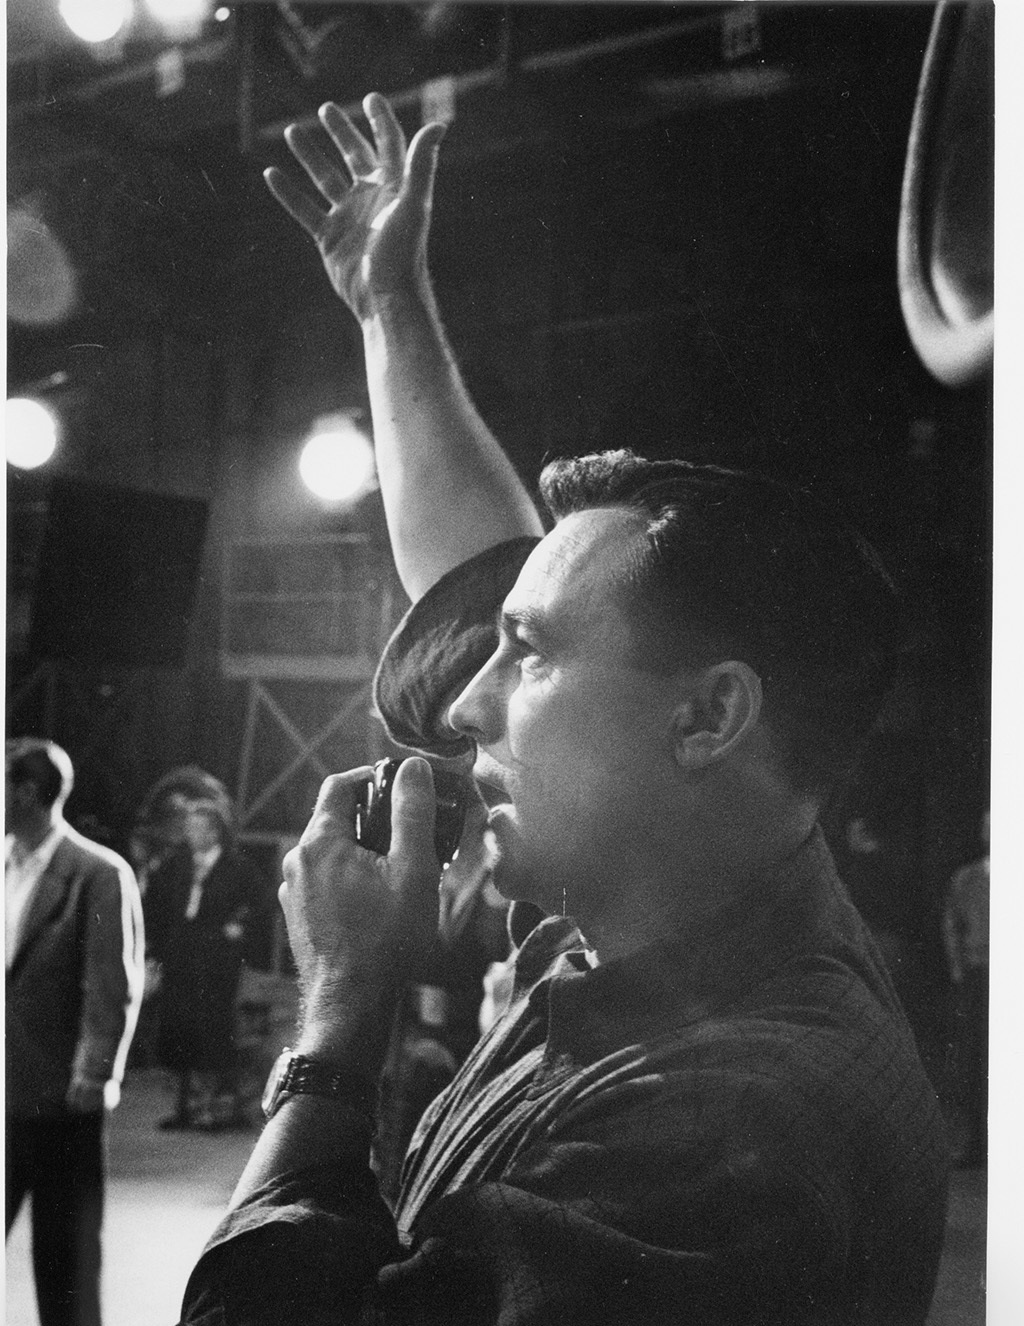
372, 236
449, 491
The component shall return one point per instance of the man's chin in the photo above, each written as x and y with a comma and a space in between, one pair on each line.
512, 884
513, 881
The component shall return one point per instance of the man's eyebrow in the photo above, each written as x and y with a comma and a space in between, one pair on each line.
511, 620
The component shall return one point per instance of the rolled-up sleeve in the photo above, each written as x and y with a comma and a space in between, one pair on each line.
300, 1251
631, 1217
444, 638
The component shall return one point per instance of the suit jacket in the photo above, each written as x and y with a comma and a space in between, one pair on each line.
75, 985
231, 893
201, 962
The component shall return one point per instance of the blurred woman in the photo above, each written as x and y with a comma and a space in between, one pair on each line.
198, 906
158, 830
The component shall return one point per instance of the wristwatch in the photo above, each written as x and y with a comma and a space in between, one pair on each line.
295, 1074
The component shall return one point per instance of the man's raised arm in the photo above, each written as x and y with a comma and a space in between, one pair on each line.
449, 490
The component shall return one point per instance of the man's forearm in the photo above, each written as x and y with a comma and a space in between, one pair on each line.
449, 490
306, 1132
346, 1023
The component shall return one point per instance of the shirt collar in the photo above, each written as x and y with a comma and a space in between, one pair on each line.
204, 861
680, 978
40, 856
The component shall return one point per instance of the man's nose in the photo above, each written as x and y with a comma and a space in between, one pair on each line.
479, 712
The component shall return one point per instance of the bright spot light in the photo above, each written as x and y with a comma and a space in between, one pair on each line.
179, 15
31, 433
222, 13
337, 462
95, 20
42, 288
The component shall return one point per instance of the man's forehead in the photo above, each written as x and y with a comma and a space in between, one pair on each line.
577, 563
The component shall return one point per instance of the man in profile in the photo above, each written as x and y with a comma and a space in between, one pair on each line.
74, 984
703, 1103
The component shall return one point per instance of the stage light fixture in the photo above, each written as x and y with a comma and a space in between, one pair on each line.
337, 463
31, 433
95, 20
42, 285
179, 18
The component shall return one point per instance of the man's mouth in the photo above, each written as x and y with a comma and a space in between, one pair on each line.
492, 792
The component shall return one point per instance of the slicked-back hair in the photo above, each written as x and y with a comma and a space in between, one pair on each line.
734, 565
42, 763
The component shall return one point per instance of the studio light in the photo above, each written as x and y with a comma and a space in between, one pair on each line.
179, 18
337, 462
32, 432
95, 20
42, 286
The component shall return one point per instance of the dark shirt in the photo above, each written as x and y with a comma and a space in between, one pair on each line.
730, 1126
734, 1129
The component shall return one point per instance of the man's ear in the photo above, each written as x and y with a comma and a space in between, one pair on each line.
722, 705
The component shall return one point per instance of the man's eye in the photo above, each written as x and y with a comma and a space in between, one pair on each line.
523, 653
530, 659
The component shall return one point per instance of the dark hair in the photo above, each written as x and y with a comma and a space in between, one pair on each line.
157, 823
42, 763
736, 565
188, 781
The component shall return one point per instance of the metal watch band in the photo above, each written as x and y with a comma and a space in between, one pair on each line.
310, 1076
299, 1074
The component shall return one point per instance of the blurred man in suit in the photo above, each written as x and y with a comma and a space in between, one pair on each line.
74, 983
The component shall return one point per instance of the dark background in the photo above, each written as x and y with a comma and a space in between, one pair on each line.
665, 226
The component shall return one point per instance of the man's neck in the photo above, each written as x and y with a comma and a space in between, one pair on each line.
32, 835
708, 870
